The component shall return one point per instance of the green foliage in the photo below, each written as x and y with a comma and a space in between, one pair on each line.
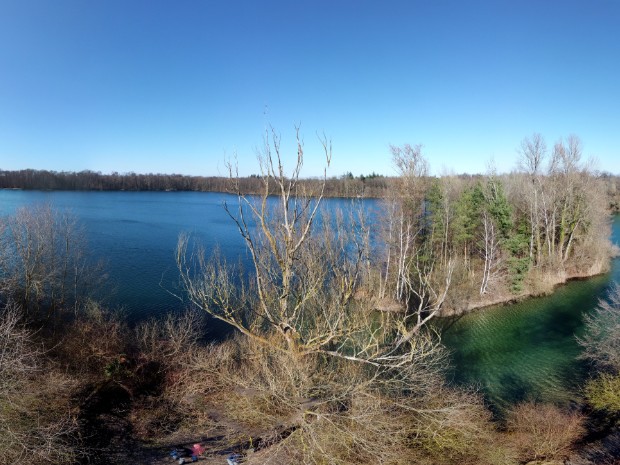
372, 175
434, 209
467, 217
434, 196
480, 198
517, 245
117, 369
498, 206
518, 242
603, 393
518, 268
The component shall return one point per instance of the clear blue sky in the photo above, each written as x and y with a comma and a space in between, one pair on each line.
178, 86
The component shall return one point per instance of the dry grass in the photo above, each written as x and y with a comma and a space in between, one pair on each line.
37, 419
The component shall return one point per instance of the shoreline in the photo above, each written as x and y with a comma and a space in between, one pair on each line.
551, 283
173, 191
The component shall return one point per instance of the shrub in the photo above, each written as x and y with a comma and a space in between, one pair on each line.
93, 342
601, 342
36, 418
544, 431
603, 393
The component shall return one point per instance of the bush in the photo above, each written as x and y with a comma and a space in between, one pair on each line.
603, 393
601, 342
93, 343
36, 419
314, 409
544, 431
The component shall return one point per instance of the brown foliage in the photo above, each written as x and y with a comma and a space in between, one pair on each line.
37, 421
318, 409
96, 338
544, 431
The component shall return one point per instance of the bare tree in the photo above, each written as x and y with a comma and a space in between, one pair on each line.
44, 264
578, 199
305, 276
317, 372
490, 251
601, 341
533, 152
565, 204
414, 276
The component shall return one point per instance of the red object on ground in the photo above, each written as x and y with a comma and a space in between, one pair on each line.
197, 449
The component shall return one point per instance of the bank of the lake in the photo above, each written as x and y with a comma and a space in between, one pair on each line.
528, 350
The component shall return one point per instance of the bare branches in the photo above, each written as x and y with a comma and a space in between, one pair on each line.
18, 355
323, 409
409, 161
35, 418
543, 431
416, 278
601, 342
533, 151
277, 232
319, 374
44, 264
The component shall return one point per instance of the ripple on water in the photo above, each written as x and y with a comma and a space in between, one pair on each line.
525, 351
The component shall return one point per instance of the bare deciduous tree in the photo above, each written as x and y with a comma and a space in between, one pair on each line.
44, 265
414, 276
305, 275
533, 151
490, 251
318, 373
544, 431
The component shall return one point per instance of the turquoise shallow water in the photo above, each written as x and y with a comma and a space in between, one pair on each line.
528, 350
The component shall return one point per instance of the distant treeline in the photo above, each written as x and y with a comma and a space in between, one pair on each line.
372, 185
95, 181
347, 185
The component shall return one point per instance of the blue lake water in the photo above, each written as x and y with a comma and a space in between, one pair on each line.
510, 352
136, 233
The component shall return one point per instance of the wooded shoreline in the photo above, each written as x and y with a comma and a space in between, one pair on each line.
553, 282
344, 186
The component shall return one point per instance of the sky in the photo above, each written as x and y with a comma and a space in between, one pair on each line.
155, 86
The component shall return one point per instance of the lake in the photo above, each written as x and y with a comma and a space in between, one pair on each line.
136, 233
528, 350
509, 352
